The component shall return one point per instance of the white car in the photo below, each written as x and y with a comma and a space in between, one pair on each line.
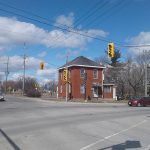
1, 96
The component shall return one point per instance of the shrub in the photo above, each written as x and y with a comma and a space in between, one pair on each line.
33, 93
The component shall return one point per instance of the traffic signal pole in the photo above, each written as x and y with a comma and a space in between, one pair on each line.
85, 78
67, 86
24, 69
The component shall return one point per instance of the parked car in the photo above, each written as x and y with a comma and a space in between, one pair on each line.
1, 96
137, 101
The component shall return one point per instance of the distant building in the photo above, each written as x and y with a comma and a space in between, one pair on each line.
95, 87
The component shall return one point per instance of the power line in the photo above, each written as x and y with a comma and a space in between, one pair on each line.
140, 45
58, 27
30, 13
113, 11
67, 29
107, 11
89, 13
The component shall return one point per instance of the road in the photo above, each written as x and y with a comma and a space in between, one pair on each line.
33, 124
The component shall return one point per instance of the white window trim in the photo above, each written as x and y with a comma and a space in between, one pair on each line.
96, 73
82, 90
83, 73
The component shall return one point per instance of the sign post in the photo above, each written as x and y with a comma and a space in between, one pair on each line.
85, 78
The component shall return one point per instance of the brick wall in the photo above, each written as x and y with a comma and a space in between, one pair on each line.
76, 81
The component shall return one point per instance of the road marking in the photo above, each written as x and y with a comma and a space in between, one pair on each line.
110, 136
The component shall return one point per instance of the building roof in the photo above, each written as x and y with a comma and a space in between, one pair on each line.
83, 62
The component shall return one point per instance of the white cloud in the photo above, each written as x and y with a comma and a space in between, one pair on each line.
14, 32
65, 20
16, 76
142, 39
46, 72
49, 74
16, 63
15, 68
42, 54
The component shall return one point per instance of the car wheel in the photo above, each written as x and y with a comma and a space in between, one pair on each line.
139, 105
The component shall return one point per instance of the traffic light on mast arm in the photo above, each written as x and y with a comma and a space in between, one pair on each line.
111, 49
41, 65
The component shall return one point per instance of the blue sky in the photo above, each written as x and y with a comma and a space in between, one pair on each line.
125, 22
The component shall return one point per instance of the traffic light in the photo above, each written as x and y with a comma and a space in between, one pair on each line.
111, 48
65, 74
41, 65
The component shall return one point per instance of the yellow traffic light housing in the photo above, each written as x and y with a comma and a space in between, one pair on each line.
41, 65
65, 75
111, 49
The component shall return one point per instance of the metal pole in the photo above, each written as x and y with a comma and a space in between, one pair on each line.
67, 79
7, 72
97, 92
85, 78
145, 69
66, 89
24, 68
145, 79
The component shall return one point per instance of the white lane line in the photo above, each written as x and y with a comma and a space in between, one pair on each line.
108, 137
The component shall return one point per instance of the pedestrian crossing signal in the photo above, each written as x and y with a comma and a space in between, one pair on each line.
111, 48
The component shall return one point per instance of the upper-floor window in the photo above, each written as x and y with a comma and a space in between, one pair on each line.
95, 74
82, 71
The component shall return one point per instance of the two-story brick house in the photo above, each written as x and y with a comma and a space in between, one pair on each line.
94, 83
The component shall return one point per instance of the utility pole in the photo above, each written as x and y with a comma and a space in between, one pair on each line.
145, 75
84, 80
67, 79
145, 79
24, 69
6, 73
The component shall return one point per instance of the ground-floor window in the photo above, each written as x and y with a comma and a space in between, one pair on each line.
60, 88
82, 89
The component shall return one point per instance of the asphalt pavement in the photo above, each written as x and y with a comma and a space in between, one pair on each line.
34, 124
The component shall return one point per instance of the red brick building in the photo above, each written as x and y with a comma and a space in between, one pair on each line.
95, 86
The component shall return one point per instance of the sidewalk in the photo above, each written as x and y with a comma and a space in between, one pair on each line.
54, 99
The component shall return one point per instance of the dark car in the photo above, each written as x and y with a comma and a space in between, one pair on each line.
1, 96
143, 101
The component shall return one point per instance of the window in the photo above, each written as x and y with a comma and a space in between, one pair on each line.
69, 88
69, 74
82, 71
107, 89
82, 89
60, 88
95, 74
